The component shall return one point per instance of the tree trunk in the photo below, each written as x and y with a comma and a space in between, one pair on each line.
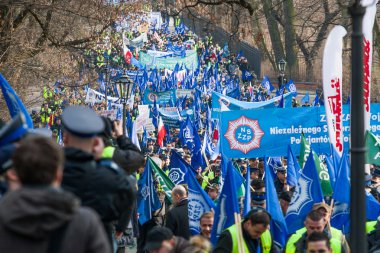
290, 37
274, 32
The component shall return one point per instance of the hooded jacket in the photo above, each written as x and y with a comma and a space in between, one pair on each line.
30, 216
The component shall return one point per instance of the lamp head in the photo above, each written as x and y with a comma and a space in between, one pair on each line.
281, 65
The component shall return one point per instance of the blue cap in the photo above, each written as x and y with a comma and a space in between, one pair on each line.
82, 121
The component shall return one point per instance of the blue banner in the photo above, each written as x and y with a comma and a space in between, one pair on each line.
234, 104
268, 132
161, 97
172, 117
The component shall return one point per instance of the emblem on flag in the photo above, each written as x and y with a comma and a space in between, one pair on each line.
176, 175
152, 97
301, 195
244, 134
197, 206
145, 192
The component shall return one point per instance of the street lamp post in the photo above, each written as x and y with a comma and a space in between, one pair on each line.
281, 65
125, 86
358, 240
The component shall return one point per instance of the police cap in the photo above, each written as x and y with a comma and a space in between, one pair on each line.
82, 121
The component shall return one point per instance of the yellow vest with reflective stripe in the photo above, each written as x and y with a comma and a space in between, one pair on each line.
265, 238
108, 152
370, 226
335, 240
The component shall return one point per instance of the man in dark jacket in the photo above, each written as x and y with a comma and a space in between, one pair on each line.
177, 219
102, 186
39, 216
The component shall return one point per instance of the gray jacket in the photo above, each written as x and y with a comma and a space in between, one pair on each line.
30, 216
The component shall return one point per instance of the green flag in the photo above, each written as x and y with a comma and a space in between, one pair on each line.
324, 176
305, 151
164, 181
373, 148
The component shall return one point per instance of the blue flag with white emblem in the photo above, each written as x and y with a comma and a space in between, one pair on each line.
267, 84
178, 169
340, 218
227, 207
291, 87
147, 199
308, 192
199, 202
186, 134
278, 226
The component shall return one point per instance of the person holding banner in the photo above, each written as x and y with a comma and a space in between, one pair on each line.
256, 235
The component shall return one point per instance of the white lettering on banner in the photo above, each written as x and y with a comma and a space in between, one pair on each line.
295, 130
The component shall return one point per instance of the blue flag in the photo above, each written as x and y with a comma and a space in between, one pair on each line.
144, 140
186, 134
209, 148
147, 199
291, 87
293, 168
178, 169
316, 99
340, 218
281, 104
197, 159
227, 208
308, 192
278, 226
267, 84
246, 76
227, 165
14, 103
199, 202
247, 197
154, 114
305, 99
372, 207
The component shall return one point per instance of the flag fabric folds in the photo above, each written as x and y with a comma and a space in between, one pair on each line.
227, 207
308, 192
340, 218
278, 226
199, 203
293, 168
14, 103
165, 183
147, 198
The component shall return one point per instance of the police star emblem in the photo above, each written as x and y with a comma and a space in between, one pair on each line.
244, 134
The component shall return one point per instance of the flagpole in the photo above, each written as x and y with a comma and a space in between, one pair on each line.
239, 233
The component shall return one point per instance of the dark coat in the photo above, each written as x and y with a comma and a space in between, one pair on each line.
29, 216
102, 186
177, 219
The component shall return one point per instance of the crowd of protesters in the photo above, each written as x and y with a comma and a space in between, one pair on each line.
98, 166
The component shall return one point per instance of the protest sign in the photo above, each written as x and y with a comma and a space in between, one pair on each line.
268, 132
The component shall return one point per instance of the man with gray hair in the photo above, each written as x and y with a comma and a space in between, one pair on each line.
177, 219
